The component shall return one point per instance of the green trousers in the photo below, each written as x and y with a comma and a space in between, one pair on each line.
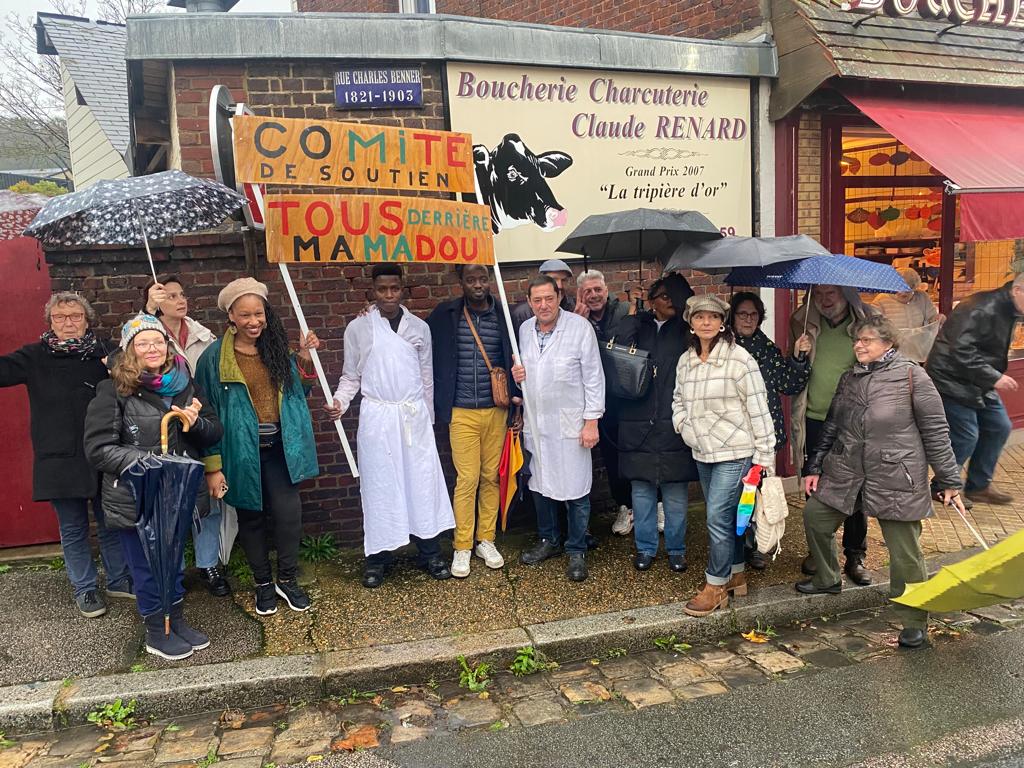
902, 538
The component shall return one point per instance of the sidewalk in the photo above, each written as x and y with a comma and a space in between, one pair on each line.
413, 620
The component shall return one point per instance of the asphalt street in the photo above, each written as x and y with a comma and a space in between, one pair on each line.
960, 705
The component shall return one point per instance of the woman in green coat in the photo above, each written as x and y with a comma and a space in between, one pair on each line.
258, 388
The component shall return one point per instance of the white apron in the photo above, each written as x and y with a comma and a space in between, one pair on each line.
402, 487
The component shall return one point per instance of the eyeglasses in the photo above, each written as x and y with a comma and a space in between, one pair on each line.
74, 317
866, 340
659, 296
145, 346
747, 315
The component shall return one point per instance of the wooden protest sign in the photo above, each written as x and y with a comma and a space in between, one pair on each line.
360, 229
329, 153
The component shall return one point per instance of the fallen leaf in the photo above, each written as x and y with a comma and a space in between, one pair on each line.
753, 636
363, 737
314, 758
232, 718
595, 662
483, 695
106, 737
400, 689
102, 747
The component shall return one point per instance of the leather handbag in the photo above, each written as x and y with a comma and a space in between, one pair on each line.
499, 378
627, 370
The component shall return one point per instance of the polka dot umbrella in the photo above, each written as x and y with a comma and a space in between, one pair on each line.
134, 210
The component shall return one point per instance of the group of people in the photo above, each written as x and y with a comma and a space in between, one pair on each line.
866, 421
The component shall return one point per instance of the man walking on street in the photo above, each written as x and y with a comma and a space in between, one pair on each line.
470, 339
564, 394
558, 271
404, 496
828, 317
968, 365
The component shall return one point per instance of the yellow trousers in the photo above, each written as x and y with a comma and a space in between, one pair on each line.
477, 436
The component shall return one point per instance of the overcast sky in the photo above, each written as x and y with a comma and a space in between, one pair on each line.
244, 6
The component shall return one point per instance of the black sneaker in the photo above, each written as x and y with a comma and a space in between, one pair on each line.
266, 599
293, 594
544, 550
91, 604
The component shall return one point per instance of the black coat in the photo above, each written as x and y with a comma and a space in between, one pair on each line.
649, 447
970, 354
60, 388
444, 324
121, 428
782, 374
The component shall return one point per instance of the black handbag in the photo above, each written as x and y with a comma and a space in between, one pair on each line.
627, 370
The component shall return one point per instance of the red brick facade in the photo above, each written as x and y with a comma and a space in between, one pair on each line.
710, 19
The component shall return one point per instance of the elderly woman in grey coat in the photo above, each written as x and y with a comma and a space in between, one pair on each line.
885, 427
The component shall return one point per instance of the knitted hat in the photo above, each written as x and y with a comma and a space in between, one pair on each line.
910, 277
554, 265
141, 322
236, 289
706, 302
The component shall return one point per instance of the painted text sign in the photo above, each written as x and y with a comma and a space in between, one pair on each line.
378, 88
360, 229
325, 153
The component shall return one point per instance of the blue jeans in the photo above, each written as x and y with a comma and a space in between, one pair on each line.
978, 437
73, 520
675, 497
548, 511
206, 538
147, 591
722, 484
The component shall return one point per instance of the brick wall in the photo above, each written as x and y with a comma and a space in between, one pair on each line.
712, 19
192, 83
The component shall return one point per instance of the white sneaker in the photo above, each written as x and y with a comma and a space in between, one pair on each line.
487, 552
624, 521
661, 517
460, 563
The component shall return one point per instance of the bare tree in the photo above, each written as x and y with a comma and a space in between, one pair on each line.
119, 10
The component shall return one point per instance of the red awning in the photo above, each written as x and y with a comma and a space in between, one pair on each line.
975, 145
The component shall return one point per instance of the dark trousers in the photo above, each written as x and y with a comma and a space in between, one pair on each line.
855, 527
281, 504
147, 591
428, 550
608, 444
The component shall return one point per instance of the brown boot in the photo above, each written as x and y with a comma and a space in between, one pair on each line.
710, 598
990, 495
737, 586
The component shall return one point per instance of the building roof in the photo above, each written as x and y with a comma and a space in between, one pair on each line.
93, 53
818, 40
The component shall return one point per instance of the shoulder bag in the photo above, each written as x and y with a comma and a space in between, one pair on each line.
499, 378
627, 370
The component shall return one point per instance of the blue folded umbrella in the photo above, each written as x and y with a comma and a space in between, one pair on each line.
847, 271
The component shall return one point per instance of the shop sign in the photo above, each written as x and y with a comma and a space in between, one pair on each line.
1004, 12
329, 153
556, 145
359, 229
378, 88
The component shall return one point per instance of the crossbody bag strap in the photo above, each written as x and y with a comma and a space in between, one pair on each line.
479, 344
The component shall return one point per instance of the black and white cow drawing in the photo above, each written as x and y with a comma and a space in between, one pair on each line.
512, 181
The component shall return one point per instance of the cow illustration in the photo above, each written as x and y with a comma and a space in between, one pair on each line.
512, 181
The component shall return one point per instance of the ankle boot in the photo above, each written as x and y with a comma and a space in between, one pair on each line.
737, 586
196, 639
708, 600
160, 641
856, 571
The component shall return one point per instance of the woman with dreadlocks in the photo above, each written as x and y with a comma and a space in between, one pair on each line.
258, 388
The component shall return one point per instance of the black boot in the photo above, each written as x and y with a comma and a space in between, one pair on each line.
160, 643
215, 581
856, 571
180, 627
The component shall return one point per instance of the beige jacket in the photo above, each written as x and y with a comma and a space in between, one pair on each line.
720, 407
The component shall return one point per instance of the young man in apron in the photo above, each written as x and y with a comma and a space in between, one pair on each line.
404, 496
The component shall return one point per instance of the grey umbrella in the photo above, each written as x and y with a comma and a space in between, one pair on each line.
723, 255
134, 210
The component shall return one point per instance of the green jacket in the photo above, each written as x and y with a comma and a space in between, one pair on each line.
238, 452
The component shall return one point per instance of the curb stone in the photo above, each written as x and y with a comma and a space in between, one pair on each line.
265, 681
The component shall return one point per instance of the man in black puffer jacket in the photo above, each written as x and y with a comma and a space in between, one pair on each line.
463, 398
968, 365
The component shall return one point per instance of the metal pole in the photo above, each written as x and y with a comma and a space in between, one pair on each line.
145, 241
321, 376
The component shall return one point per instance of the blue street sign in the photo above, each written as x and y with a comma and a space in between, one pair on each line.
378, 88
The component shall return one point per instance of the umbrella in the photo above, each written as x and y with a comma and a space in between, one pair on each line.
713, 256
508, 469
641, 233
822, 270
133, 210
165, 489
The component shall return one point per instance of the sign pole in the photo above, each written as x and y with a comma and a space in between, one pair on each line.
301, 317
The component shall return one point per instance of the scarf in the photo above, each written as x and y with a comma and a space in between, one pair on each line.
876, 364
168, 384
83, 346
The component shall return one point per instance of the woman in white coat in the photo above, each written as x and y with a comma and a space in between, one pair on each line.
564, 395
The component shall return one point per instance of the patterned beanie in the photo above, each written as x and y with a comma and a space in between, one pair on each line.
141, 322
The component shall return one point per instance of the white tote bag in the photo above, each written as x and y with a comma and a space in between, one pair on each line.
770, 513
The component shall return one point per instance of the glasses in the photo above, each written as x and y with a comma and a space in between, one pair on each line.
659, 296
866, 340
74, 317
747, 315
145, 346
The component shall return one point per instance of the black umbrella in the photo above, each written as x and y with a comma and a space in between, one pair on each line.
165, 488
134, 210
723, 255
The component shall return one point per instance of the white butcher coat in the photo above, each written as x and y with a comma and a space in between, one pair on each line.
564, 386
401, 484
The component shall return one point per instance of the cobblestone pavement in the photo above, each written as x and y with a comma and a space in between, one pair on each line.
303, 733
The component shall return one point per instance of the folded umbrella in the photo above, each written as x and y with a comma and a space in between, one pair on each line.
510, 464
714, 256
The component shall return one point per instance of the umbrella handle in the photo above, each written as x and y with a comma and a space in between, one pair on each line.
165, 423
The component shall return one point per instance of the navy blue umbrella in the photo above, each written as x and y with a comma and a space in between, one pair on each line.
848, 271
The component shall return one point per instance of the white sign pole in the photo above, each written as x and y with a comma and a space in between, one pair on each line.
319, 367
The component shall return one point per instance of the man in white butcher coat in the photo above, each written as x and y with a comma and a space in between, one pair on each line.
564, 389
404, 496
